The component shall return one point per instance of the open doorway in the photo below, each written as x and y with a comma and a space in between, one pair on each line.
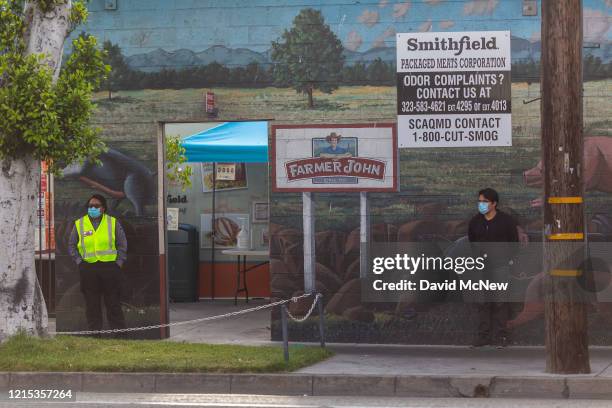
217, 234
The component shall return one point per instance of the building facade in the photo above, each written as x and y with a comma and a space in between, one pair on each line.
172, 52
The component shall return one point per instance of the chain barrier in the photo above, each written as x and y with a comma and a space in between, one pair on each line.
307, 315
203, 319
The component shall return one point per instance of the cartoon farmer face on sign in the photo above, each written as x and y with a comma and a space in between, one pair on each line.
334, 150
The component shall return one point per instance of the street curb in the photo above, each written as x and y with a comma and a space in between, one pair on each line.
467, 386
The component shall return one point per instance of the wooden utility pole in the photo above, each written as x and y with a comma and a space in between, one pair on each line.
562, 151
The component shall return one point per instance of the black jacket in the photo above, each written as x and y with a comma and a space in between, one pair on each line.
500, 229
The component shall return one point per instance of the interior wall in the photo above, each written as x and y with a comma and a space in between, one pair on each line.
192, 202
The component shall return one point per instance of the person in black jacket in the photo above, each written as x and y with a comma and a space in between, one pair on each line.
491, 225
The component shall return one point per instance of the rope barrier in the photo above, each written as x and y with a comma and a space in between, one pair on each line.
204, 319
307, 315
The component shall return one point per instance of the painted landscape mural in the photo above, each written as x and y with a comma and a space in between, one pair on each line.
258, 57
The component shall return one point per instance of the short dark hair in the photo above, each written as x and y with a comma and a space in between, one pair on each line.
489, 194
98, 197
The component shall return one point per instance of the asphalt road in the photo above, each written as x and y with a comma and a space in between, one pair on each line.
91, 400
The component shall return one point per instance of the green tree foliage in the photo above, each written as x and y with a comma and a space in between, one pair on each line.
120, 71
123, 77
526, 71
176, 170
309, 55
355, 74
595, 69
380, 73
49, 121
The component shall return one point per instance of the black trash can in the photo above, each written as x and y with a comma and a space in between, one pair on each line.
183, 263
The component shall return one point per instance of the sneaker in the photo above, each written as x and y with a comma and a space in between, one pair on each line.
480, 342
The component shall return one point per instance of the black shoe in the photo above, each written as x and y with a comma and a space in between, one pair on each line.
480, 342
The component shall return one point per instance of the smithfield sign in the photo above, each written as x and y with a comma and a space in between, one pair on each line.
355, 157
454, 89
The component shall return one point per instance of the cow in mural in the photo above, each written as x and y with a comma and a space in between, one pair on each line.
119, 176
597, 166
597, 177
595, 282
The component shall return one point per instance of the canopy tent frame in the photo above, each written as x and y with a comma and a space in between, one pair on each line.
234, 142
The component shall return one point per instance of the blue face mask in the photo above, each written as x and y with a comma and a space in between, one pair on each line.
94, 212
483, 208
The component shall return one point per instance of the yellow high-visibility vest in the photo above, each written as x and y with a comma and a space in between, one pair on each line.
97, 245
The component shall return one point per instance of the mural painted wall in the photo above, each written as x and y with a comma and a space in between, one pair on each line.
253, 56
127, 177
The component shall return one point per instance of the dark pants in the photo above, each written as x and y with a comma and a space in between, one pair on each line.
492, 319
102, 280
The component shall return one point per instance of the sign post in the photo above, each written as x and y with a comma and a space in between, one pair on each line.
454, 89
364, 234
308, 216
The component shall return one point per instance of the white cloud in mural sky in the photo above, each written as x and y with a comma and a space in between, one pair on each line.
480, 7
380, 40
390, 32
353, 41
596, 24
369, 18
445, 24
379, 43
426, 26
401, 9
383, 3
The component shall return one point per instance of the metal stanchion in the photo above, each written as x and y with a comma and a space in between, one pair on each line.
285, 332
321, 321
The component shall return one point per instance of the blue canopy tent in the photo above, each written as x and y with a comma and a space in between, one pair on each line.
233, 142
241, 142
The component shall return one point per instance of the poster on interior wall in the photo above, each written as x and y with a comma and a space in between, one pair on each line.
239, 175
261, 211
226, 171
227, 228
172, 218
454, 89
353, 157
44, 233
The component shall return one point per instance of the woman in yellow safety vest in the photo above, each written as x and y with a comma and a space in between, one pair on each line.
98, 246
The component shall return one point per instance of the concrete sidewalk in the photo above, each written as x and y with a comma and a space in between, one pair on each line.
448, 361
248, 329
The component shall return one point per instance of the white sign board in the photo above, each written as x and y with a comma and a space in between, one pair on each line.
354, 157
453, 89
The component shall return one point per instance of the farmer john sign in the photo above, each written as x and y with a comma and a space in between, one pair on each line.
334, 157
454, 89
